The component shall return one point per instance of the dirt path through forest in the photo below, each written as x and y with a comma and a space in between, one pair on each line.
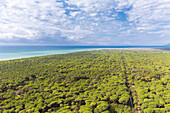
127, 84
137, 97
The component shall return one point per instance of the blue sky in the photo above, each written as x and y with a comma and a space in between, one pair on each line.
84, 22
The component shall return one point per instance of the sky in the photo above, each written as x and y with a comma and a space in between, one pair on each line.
85, 22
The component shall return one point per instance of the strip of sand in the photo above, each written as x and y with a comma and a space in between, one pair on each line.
141, 49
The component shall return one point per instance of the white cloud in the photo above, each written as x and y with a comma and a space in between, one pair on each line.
27, 19
73, 14
77, 19
76, 33
151, 16
93, 14
33, 19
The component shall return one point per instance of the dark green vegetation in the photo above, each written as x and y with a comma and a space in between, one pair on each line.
87, 82
165, 49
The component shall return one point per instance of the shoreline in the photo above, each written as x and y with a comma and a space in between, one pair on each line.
51, 54
127, 49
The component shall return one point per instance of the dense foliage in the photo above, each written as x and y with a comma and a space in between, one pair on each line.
87, 82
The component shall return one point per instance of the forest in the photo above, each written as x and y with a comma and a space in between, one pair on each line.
98, 81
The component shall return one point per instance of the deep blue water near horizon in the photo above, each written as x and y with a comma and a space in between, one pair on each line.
14, 52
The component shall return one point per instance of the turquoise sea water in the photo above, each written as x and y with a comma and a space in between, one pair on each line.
13, 52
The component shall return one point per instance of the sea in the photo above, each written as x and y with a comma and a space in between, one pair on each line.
15, 52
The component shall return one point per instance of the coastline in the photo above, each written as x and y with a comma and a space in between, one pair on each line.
126, 49
19, 58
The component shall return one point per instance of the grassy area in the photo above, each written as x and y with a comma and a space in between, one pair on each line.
87, 82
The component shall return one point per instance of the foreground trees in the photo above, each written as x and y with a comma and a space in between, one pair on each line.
86, 82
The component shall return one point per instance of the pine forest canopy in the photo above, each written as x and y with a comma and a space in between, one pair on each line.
100, 81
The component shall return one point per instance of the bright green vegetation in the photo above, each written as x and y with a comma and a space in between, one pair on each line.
87, 82
150, 74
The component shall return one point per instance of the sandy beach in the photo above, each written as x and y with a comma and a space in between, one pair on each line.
140, 49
